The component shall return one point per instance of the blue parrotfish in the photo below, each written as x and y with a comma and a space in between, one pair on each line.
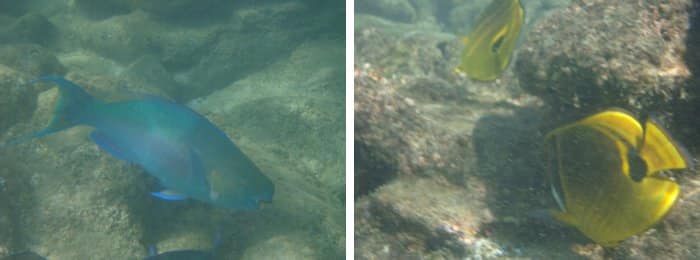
188, 154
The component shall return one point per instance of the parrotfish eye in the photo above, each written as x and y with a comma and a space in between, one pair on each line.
638, 167
497, 44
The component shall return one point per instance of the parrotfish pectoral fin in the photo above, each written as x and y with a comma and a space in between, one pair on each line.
110, 146
168, 195
73, 108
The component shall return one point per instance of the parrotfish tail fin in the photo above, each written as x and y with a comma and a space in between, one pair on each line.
73, 108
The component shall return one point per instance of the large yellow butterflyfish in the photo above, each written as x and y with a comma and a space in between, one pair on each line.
603, 171
489, 46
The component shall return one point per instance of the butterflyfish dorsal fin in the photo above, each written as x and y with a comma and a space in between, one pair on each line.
616, 124
660, 151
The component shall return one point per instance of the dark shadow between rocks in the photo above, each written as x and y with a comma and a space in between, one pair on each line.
509, 151
692, 60
16, 199
372, 169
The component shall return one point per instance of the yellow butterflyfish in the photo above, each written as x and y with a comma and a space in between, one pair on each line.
489, 46
603, 171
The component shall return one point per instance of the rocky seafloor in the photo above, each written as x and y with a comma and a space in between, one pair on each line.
269, 73
448, 168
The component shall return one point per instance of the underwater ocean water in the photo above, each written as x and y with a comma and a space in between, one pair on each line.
545, 129
172, 129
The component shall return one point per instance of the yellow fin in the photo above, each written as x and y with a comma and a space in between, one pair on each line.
660, 151
616, 124
564, 217
491, 42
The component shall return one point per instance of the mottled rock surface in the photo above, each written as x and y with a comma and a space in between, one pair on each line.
62, 197
627, 54
430, 179
449, 168
639, 55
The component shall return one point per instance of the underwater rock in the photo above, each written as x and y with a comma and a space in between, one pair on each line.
88, 62
185, 9
288, 119
106, 8
29, 28
74, 194
31, 59
431, 177
290, 246
148, 70
122, 38
596, 54
640, 55
428, 214
396, 10
13, 97
259, 35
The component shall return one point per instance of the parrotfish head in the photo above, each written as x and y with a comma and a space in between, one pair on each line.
241, 188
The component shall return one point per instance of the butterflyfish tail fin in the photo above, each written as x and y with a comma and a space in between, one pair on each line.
73, 108
661, 151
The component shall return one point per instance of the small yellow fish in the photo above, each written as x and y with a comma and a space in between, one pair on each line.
490, 44
603, 172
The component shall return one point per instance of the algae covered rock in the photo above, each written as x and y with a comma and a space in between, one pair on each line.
184, 9
251, 43
84, 195
29, 28
280, 61
32, 59
433, 182
104, 9
597, 54
397, 10
290, 247
288, 119
13, 97
641, 56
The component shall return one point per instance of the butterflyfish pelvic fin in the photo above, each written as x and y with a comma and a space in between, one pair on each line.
661, 151
563, 217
